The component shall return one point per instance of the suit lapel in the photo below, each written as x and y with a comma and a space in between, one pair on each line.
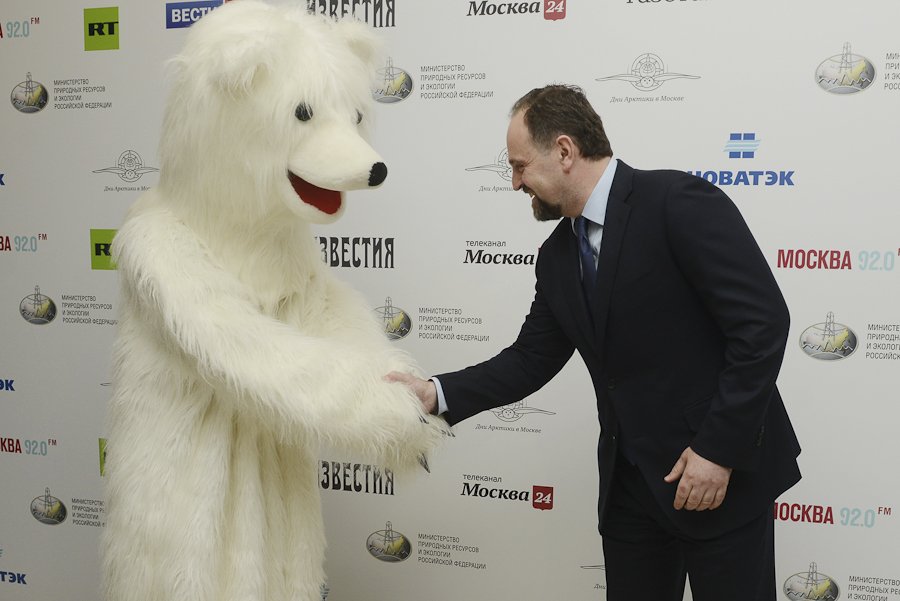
617, 212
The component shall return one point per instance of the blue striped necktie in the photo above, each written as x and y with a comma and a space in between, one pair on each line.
586, 253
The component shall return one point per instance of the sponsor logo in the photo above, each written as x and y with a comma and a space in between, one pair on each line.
445, 82
444, 550
845, 73
356, 477
553, 10
744, 145
853, 517
443, 323
396, 84
13, 577
377, 14
37, 308
396, 322
88, 512
101, 28
891, 71
29, 96
185, 14
828, 340
388, 545
18, 29
83, 308
802, 512
10, 445
358, 252
482, 257
516, 411
811, 584
21, 244
7, 385
30, 446
500, 166
883, 341
101, 241
648, 72
803, 258
47, 509
541, 497
129, 167
741, 145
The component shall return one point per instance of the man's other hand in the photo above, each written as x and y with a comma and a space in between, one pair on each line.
701, 483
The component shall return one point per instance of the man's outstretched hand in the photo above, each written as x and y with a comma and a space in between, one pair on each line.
424, 389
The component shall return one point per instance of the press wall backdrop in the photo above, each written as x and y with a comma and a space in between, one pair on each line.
791, 107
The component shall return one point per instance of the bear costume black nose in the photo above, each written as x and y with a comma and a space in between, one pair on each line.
377, 174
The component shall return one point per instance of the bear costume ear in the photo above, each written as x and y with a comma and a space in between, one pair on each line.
229, 47
238, 62
360, 39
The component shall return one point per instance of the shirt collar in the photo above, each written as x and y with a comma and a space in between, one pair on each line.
595, 207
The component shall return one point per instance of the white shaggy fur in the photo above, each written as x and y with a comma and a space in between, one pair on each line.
238, 352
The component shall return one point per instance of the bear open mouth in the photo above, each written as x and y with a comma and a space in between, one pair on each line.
327, 201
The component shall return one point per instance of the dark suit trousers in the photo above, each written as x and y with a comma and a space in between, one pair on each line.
647, 559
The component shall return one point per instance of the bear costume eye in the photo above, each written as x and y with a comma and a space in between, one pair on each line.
303, 112
358, 117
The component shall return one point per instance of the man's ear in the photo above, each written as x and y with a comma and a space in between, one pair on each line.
566, 150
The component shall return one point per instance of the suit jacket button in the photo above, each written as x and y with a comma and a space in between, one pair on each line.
611, 385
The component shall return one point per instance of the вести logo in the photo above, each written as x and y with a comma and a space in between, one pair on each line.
185, 14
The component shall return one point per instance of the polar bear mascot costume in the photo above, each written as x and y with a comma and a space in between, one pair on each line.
238, 353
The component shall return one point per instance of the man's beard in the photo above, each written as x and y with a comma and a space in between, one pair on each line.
543, 211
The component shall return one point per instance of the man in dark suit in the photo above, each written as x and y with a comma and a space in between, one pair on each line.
655, 279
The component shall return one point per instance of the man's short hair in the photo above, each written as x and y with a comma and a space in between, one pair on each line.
559, 109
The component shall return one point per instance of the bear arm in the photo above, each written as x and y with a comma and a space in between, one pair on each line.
298, 385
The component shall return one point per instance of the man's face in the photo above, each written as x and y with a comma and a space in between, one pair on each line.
534, 170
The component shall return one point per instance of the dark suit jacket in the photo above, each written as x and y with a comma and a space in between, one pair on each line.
683, 342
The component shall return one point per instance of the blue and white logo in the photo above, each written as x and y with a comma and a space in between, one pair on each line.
185, 14
742, 146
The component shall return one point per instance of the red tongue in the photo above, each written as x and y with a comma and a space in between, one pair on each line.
327, 201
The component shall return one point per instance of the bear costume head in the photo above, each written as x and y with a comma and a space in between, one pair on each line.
292, 98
